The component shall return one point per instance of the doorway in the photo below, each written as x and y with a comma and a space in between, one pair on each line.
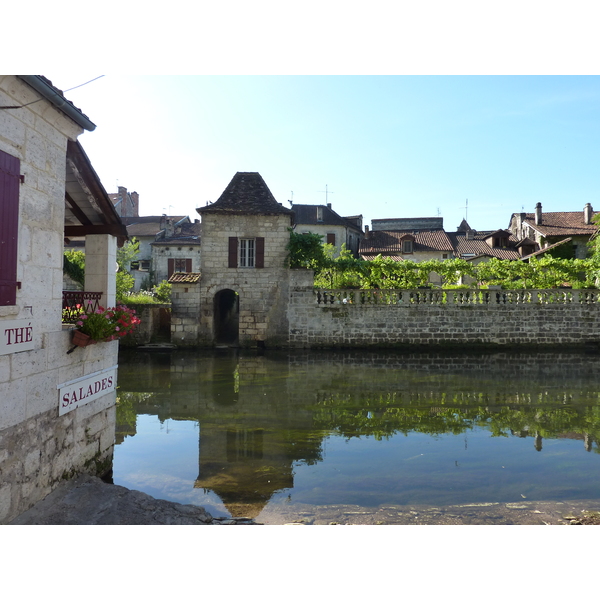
226, 317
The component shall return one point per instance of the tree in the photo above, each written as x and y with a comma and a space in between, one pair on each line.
305, 251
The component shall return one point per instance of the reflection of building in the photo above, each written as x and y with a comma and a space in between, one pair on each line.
249, 438
243, 465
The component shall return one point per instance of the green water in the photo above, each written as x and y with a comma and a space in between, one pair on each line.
237, 432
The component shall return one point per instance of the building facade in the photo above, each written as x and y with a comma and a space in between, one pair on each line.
57, 406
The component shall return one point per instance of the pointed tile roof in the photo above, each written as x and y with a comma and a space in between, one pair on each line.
246, 194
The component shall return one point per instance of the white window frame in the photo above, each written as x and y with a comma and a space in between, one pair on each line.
247, 253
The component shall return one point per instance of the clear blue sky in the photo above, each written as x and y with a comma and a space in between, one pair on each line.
385, 146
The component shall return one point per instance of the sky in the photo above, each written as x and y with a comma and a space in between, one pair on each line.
479, 147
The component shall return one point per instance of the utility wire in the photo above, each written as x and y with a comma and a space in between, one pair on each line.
34, 101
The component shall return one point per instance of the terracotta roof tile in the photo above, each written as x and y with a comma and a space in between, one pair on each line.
479, 247
561, 224
185, 278
380, 242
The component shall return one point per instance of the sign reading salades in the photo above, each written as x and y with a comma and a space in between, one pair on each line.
85, 389
16, 336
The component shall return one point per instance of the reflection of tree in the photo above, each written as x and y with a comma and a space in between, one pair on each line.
385, 415
128, 407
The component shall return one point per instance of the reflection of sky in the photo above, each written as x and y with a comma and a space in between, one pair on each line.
162, 460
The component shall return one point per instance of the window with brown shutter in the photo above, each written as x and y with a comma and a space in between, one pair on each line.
260, 252
331, 238
233, 253
10, 172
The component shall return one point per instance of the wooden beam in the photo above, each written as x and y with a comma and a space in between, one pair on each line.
81, 216
82, 230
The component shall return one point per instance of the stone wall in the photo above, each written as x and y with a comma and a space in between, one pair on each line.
263, 292
409, 318
39, 448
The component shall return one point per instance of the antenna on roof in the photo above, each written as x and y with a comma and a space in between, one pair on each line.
291, 200
466, 209
326, 192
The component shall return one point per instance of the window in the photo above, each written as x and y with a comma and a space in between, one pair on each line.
331, 238
179, 265
10, 174
407, 246
319, 213
246, 253
144, 265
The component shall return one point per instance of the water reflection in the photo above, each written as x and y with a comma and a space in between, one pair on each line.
269, 427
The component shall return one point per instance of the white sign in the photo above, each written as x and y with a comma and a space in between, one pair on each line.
16, 336
85, 389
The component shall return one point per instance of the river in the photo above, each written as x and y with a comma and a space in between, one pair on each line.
248, 434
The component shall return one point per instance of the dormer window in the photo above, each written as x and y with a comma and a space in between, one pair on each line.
319, 213
407, 247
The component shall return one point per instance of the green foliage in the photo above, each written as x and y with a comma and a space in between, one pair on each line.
162, 292
127, 253
74, 265
305, 251
385, 273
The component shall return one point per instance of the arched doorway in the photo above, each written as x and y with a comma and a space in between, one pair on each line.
226, 317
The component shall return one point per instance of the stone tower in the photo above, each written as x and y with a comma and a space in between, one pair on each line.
244, 284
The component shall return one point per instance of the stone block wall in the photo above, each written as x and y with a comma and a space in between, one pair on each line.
437, 324
185, 314
39, 448
263, 292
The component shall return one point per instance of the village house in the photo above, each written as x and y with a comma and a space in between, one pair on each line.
167, 245
57, 406
548, 228
324, 221
241, 294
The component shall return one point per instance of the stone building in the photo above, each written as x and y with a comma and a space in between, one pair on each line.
57, 409
324, 221
547, 229
167, 245
242, 294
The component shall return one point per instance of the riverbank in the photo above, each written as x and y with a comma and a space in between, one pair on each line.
87, 500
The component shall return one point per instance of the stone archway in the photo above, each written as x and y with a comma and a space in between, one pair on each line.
226, 317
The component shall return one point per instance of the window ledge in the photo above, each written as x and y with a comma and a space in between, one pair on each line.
9, 311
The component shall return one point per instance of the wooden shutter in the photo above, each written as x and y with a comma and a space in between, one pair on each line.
233, 253
170, 267
188, 265
10, 171
331, 238
260, 253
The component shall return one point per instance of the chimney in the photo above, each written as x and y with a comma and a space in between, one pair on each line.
469, 234
538, 213
367, 233
329, 205
588, 213
123, 197
135, 200
169, 228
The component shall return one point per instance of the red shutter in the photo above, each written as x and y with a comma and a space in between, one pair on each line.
331, 238
170, 267
188, 265
10, 171
233, 253
260, 253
